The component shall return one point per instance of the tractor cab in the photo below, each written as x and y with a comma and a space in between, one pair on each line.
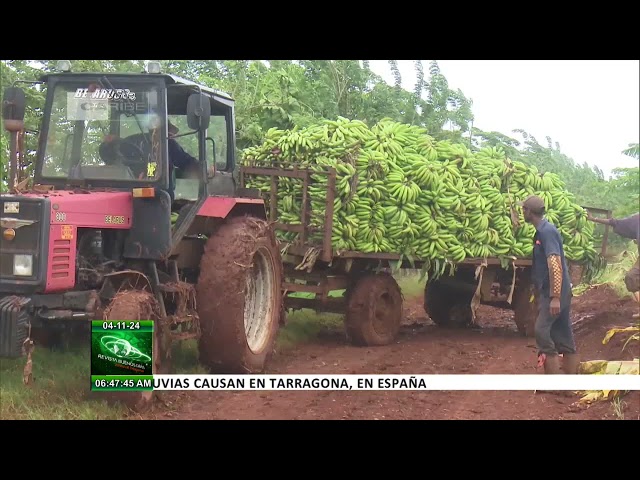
167, 142
119, 131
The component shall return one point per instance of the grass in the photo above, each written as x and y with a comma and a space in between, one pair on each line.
411, 285
305, 325
618, 407
185, 358
613, 274
62, 379
59, 391
62, 382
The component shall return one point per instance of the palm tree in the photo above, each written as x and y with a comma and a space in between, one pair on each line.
633, 151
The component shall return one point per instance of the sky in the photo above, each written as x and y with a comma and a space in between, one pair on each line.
590, 107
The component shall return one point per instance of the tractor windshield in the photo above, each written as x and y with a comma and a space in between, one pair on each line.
104, 130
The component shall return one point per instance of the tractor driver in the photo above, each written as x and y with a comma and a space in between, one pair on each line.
178, 157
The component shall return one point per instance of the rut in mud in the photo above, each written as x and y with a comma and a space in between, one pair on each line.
423, 348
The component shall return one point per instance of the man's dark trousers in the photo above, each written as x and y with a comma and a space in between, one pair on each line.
553, 333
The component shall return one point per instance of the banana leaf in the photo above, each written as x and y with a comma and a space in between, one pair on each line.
604, 367
613, 331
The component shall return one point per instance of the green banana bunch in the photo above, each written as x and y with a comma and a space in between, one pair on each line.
398, 190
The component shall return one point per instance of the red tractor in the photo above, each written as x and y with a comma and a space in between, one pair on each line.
112, 229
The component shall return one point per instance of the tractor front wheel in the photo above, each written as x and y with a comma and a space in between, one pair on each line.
134, 305
239, 296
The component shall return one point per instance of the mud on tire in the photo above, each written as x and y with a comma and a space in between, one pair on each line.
525, 311
138, 305
374, 310
447, 306
240, 283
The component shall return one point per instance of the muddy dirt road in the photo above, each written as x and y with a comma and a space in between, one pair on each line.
423, 348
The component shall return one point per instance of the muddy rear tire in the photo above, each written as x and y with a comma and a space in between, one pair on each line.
138, 305
374, 310
447, 306
525, 311
239, 296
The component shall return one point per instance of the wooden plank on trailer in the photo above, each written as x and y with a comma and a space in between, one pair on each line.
327, 245
305, 208
395, 256
273, 199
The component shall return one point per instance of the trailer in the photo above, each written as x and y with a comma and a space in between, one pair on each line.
372, 302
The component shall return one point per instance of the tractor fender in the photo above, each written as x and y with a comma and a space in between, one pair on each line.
224, 207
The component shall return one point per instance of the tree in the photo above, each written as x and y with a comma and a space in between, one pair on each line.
633, 151
288, 93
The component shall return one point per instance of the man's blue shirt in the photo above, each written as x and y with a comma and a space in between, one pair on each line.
548, 241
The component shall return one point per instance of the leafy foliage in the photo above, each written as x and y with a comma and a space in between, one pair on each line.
286, 93
633, 150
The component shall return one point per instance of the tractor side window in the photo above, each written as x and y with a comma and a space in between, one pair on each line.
188, 142
186, 182
59, 138
218, 130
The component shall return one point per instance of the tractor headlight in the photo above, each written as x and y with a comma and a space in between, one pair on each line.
23, 265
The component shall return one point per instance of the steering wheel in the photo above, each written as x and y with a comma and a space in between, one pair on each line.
126, 153
130, 153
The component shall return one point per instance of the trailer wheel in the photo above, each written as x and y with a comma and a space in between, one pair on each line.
374, 310
525, 311
446, 305
239, 296
138, 305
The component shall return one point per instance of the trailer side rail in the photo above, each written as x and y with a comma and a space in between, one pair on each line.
304, 229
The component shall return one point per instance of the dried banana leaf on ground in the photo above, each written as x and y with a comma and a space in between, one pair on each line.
635, 337
604, 367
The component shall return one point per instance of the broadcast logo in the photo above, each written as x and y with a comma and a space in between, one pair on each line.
121, 350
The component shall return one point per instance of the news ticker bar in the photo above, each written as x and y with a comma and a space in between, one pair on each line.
366, 382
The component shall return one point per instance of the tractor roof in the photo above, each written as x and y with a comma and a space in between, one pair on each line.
169, 79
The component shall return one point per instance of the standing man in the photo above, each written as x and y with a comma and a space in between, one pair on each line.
628, 227
554, 334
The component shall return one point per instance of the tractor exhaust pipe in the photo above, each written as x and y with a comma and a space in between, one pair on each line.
13, 107
13, 160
